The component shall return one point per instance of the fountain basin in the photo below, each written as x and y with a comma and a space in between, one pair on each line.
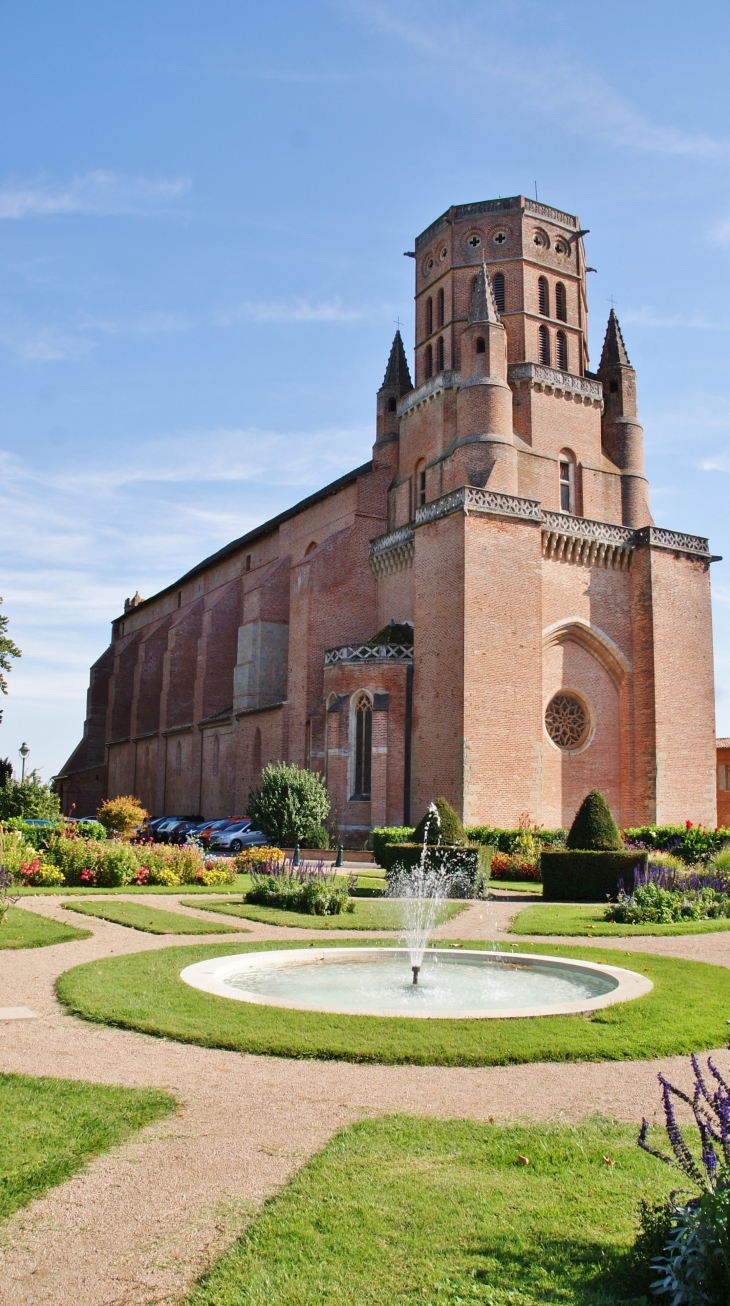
465, 984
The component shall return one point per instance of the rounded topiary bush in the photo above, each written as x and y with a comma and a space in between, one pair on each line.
594, 829
289, 803
449, 831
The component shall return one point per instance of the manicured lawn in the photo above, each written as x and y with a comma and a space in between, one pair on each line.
579, 918
369, 914
687, 1010
25, 929
51, 1126
411, 1212
150, 919
517, 886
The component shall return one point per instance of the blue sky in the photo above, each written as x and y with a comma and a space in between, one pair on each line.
203, 213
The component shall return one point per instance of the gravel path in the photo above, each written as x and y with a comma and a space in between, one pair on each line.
141, 1222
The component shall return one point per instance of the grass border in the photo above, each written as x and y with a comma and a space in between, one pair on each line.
158, 921
688, 1010
37, 931
607, 929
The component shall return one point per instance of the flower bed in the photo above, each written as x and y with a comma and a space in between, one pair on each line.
305, 888
68, 859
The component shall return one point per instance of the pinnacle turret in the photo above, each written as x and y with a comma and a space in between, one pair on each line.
397, 373
483, 307
614, 349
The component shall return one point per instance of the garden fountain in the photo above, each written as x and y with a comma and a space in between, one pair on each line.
416, 980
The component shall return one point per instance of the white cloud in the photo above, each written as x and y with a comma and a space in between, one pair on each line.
721, 233
101, 193
298, 310
476, 44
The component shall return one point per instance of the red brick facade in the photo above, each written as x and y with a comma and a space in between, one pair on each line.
551, 638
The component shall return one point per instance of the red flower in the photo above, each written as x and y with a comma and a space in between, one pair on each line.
688, 825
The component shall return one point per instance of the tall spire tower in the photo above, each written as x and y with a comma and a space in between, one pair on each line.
621, 431
396, 383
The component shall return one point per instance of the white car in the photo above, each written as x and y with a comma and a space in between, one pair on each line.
236, 837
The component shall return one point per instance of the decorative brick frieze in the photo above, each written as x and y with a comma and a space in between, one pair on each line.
659, 538
539, 210
434, 386
392, 552
588, 543
368, 653
470, 499
537, 376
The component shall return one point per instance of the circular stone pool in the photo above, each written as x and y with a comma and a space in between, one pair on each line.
452, 984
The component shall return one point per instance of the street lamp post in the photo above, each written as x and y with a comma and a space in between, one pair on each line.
24, 751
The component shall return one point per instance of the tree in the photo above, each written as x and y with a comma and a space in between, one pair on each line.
8, 650
594, 829
289, 804
121, 816
29, 798
448, 831
6, 771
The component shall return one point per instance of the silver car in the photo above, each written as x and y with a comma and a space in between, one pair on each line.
236, 837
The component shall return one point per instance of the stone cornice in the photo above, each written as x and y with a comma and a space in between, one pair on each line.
471, 499
392, 552
538, 376
379, 653
659, 538
446, 380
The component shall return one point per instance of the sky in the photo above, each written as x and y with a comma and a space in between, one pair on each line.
203, 213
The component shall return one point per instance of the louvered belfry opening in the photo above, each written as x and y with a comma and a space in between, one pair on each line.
429, 316
363, 746
441, 308
498, 288
440, 354
561, 351
429, 361
544, 339
561, 309
543, 297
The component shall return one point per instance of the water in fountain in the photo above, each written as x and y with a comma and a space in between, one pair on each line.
421, 890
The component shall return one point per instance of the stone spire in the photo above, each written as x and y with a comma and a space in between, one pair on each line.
396, 384
614, 349
483, 307
397, 373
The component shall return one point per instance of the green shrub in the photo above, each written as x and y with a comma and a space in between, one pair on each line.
446, 830
182, 864
317, 837
509, 841
588, 876
117, 865
288, 804
692, 843
315, 895
40, 874
468, 865
659, 906
77, 859
594, 829
385, 834
30, 798
121, 816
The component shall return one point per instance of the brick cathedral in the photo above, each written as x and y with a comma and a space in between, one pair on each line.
484, 610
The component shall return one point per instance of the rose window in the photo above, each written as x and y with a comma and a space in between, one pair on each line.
567, 721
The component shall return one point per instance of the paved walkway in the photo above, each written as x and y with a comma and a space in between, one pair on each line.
141, 1222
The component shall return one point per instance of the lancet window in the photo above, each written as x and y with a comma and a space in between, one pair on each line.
561, 308
561, 351
441, 307
543, 297
363, 744
544, 342
498, 288
440, 354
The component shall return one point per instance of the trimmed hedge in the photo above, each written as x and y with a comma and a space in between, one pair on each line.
507, 841
588, 876
692, 843
384, 834
469, 864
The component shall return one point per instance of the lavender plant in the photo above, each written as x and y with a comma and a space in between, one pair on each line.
6, 897
694, 1265
309, 887
665, 893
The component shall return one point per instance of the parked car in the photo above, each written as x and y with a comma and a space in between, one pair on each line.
180, 833
206, 831
167, 827
237, 836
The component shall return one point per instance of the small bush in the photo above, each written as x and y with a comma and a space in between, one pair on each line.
30, 798
514, 868
307, 888
447, 829
508, 841
650, 903
289, 803
691, 843
594, 829
317, 837
251, 858
39, 874
215, 873
385, 834
121, 816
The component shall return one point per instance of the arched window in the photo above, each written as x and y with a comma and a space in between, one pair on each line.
429, 361
363, 746
310, 547
392, 405
420, 484
429, 316
256, 752
544, 345
561, 351
440, 354
498, 288
216, 754
561, 304
543, 297
441, 308
178, 758
481, 345
567, 481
